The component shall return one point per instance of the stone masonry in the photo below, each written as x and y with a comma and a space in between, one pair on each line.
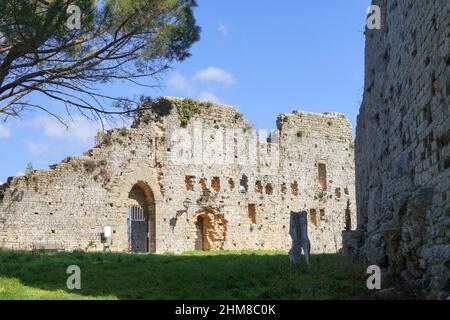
200, 178
402, 146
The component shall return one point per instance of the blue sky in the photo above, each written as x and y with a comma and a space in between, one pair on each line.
265, 57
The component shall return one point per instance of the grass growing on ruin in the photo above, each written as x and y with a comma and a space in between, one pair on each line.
193, 275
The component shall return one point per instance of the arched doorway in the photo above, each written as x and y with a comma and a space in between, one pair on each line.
211, 229
141, 219
200, 234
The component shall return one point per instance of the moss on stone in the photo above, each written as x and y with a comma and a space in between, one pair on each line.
281, 120
123, 132
187, 108
107, 141
238, 116
162, 107
90, 166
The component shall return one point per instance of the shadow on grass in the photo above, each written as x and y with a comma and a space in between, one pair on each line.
194, 275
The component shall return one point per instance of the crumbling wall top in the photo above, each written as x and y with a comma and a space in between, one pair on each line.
315, 121
185, 110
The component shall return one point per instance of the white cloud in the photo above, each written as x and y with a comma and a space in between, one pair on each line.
20, 173
51, 126
36, 148
4, 132
80, 130
179, 82
214, 75
222, 29
208, 96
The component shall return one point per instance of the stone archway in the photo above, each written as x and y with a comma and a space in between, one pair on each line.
211, 229
141, 219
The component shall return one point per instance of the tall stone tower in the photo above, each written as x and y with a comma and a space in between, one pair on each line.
402, 144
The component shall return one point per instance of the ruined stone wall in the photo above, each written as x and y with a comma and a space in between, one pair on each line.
195, 159
219, 147
308, 143
402, 143
68, 205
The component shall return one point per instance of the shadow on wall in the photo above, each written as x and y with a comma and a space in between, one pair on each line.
193, 275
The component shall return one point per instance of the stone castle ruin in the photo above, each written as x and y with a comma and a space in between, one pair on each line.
403, 146
190, 175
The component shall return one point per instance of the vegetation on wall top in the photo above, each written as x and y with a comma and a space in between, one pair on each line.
186, 108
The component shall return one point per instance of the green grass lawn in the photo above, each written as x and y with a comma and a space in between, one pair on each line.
192, 275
